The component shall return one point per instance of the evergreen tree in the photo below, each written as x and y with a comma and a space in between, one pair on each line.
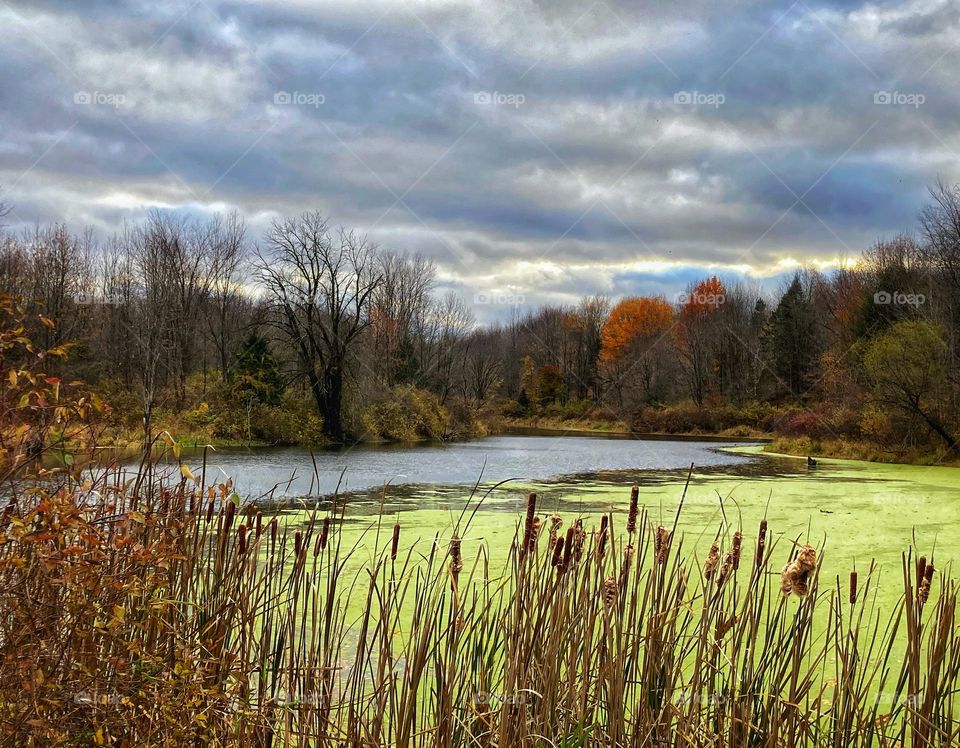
256, 374
792, 337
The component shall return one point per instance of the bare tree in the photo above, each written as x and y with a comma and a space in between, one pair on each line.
227, 302
319, 287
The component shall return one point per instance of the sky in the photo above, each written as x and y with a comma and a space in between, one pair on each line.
536, 150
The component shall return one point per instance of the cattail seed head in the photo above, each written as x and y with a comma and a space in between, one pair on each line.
210, 510
324, 532
634, 504
456, 560
661, 545
924, 592
713, 558
761, 543
228, 516
735, 553
921, 569
602, 536
242, 539
528, 525
297, 544
556, 522
259, 525
273, 530
795, 576
610, 592
557, 561
853, 587
568, 547
579, 537
395, 543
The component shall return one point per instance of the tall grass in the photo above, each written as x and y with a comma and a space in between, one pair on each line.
135, 611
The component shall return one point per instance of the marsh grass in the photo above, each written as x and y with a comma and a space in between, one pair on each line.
136, 611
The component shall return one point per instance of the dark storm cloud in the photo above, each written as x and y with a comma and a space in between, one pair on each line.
545, 147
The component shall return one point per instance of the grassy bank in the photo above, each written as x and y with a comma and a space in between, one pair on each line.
852, 449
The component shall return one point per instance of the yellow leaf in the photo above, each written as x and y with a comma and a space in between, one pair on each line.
186, 473
13, 378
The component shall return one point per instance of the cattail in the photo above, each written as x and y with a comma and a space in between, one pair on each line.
853, 587
210, 510
324, 532
535, 533
602, 537
579, 536
228, 518
610, 592
795, 576
725, 568
761, 543
396, 542
924, 591
259, 525
273, 531
297, 543
625, 568
528, 525
661, 545
556, 522
713, 558
568, 547
632, 516
735, 553
921, 569
316, 546
242, 539
558, 554
456, 560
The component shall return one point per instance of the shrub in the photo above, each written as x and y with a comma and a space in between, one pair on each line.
406, 414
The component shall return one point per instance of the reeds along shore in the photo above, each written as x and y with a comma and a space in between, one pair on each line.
139, 613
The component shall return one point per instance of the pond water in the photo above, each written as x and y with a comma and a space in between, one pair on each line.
855, 511
292, 472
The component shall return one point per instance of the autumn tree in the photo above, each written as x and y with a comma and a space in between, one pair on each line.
906, 367
697, 331
630, 341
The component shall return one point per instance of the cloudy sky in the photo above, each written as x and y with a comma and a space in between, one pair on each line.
535, 149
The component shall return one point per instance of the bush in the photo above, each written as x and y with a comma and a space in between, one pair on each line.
406, 414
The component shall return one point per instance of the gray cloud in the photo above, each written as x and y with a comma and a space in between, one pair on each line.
548, 148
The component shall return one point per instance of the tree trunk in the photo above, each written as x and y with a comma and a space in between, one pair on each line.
331, 403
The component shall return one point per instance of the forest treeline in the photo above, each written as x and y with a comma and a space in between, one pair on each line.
311, 333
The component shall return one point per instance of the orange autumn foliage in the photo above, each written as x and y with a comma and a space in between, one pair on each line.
632, 318
705, 297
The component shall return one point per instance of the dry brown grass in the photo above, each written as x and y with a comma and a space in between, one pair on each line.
141, 613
